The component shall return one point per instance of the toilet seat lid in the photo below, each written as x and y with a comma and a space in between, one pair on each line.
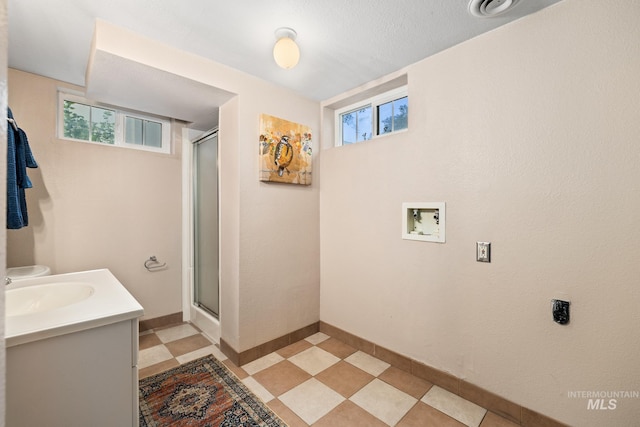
28, 271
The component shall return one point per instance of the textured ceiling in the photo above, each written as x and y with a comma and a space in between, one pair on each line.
343, 43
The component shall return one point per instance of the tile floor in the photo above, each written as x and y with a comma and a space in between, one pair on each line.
321, 382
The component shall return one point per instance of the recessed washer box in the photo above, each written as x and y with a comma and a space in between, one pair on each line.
423, 221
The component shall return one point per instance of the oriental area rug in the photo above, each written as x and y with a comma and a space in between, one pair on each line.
201, 393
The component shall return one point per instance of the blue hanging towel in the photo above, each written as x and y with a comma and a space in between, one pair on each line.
19, 158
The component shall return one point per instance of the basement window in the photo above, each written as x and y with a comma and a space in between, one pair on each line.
82, 120
374, 117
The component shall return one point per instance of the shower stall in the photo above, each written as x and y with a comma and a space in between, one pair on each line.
201, 296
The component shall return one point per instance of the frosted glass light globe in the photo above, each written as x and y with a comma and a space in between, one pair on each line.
286, 53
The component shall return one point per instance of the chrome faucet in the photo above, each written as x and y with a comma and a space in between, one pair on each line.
7, 280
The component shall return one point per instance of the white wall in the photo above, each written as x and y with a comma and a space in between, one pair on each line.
94, 206
269, 232
262, 224
98, 206
530, 135
265, 228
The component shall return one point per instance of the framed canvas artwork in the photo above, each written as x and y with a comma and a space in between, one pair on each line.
285, 151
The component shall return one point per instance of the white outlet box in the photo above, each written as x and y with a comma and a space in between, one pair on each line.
483, 251
424, 221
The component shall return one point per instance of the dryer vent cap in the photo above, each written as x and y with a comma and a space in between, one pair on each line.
490, 8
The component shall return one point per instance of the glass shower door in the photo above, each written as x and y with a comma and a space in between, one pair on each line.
206, 278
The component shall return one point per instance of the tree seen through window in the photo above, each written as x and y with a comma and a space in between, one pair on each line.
89, 123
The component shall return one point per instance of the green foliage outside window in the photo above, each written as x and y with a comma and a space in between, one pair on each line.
103, 129
89, 123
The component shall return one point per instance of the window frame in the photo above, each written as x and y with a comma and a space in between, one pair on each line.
374, 102
119, 130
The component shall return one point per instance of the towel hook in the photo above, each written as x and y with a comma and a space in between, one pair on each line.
13, 123
152, 264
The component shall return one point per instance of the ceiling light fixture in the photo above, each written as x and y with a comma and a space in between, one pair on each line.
490, 8
286, 51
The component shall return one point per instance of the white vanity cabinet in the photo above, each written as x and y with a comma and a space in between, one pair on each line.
86, 379
71, 352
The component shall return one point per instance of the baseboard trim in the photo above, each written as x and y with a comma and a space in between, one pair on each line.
244, 357
160, 322
491, 401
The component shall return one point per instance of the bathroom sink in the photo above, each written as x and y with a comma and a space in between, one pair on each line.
40, 298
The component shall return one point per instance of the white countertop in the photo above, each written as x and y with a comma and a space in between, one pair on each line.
110, 303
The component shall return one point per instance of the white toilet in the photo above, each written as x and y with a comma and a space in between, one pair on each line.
27, 272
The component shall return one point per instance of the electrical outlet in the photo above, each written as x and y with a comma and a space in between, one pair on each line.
483, 251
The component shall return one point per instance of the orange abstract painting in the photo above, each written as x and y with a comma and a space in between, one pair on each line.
285, 151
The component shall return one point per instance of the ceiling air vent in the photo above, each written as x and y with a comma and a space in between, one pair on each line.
490, 8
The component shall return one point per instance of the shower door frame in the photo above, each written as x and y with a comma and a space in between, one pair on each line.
197, 231
209, 324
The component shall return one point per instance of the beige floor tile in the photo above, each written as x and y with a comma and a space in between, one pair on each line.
455, 406
337, 348
201, 352
294, 348
281, 377
257, 389
286, 414
152, 355
384, 401
343, 392
317, 338
262, 363
348, 414
314, 360
367, 363
423, 415
311, 400
187, 345
493, 420
176, 332
344, 378
406, 382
